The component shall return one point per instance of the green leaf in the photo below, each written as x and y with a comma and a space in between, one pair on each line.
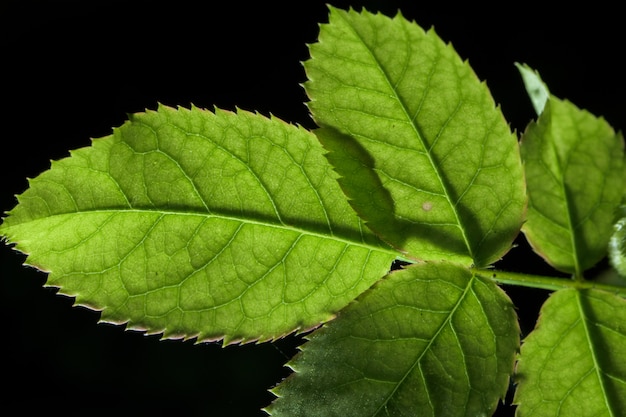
574, 169
574, 363
199, 225
431, 340
425, 156
535, 87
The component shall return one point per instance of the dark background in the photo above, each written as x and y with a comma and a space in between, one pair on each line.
72, 70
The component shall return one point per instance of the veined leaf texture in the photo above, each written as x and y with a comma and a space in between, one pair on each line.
200, 225
404, 116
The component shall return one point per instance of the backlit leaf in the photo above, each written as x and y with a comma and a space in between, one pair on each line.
426, 157
574, 169
574, 363
535, 87
199, 224
431, 340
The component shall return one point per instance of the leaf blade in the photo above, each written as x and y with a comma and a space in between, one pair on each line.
184, 222
426, 127
573, 363
419, 343
574, 166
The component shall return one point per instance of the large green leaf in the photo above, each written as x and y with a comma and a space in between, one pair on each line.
426, 157
574, 363
574, 168
199, 224
431, 340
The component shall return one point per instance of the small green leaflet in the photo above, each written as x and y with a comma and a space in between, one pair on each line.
424, 154
574, 165
535, 87
574, 362
201, 225
431, 340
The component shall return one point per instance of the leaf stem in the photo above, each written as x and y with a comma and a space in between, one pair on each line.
546, 283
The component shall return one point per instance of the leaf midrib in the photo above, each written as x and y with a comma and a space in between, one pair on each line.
588, 337
241, 219
569, 204
427, 150
418, 360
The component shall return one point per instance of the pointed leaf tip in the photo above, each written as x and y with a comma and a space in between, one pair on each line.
535, 87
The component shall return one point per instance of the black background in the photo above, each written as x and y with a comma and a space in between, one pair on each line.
72, 70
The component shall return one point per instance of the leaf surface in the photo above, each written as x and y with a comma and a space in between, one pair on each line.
425, 156
535, 87
199, 224
430, 340
574, 363
574, 166
617, 246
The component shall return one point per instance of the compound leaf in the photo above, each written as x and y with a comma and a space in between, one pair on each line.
574, 166
425, 156
430, 340
199, 225
574, 363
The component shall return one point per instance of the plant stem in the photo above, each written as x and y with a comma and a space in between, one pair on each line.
546, 283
